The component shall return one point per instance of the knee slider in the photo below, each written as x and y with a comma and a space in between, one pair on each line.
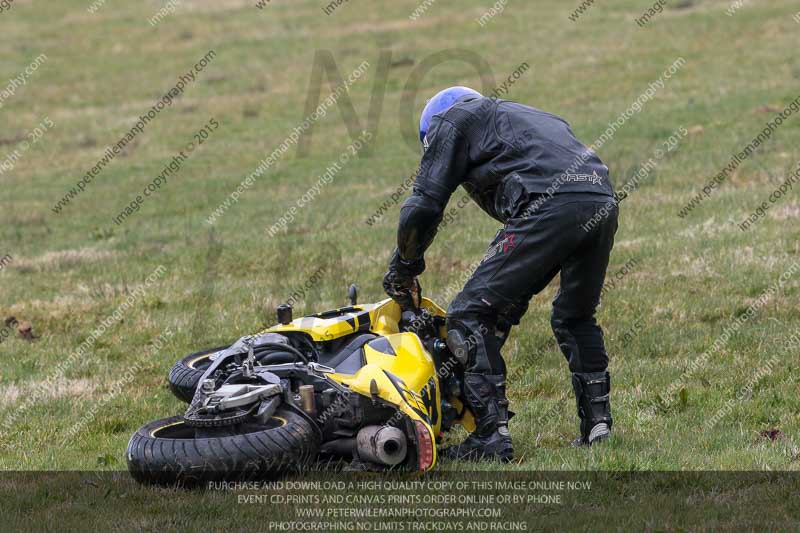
458, 341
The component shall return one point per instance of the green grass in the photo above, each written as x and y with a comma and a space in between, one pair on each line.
693, 277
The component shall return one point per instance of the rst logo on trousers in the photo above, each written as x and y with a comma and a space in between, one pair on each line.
505, 244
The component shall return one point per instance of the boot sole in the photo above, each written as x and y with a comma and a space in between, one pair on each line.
581, 442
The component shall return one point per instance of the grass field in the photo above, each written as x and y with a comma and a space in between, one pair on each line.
701, 318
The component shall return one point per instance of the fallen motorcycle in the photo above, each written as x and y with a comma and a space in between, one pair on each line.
366, 387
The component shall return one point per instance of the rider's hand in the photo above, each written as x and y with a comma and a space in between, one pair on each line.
404, 290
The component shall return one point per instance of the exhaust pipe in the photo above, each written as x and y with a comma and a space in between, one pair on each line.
384, 445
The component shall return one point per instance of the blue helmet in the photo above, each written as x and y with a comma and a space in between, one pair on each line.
440, 103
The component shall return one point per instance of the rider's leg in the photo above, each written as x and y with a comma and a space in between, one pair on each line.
575, 327
519, 263
473, 338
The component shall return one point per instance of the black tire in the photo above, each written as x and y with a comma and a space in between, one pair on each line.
184, 376
166, 451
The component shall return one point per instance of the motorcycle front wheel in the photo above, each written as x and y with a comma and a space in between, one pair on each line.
170, 452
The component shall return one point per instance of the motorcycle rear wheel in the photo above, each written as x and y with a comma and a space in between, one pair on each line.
169, 452
184, 376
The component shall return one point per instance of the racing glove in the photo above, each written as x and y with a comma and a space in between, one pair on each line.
405, 290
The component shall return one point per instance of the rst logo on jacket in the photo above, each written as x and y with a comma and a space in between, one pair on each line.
592, 178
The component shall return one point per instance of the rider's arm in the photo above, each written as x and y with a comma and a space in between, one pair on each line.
441, 171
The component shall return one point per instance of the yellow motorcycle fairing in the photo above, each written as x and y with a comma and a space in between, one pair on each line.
398, 369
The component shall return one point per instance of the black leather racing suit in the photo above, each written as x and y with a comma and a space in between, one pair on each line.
525, 168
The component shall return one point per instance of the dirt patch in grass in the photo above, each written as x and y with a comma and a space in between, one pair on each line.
52, 261
12, 394
786, 211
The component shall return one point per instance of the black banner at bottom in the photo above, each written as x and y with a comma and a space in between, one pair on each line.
439, 501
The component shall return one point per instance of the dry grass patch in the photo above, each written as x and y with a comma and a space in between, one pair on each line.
12, 394
63, 258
